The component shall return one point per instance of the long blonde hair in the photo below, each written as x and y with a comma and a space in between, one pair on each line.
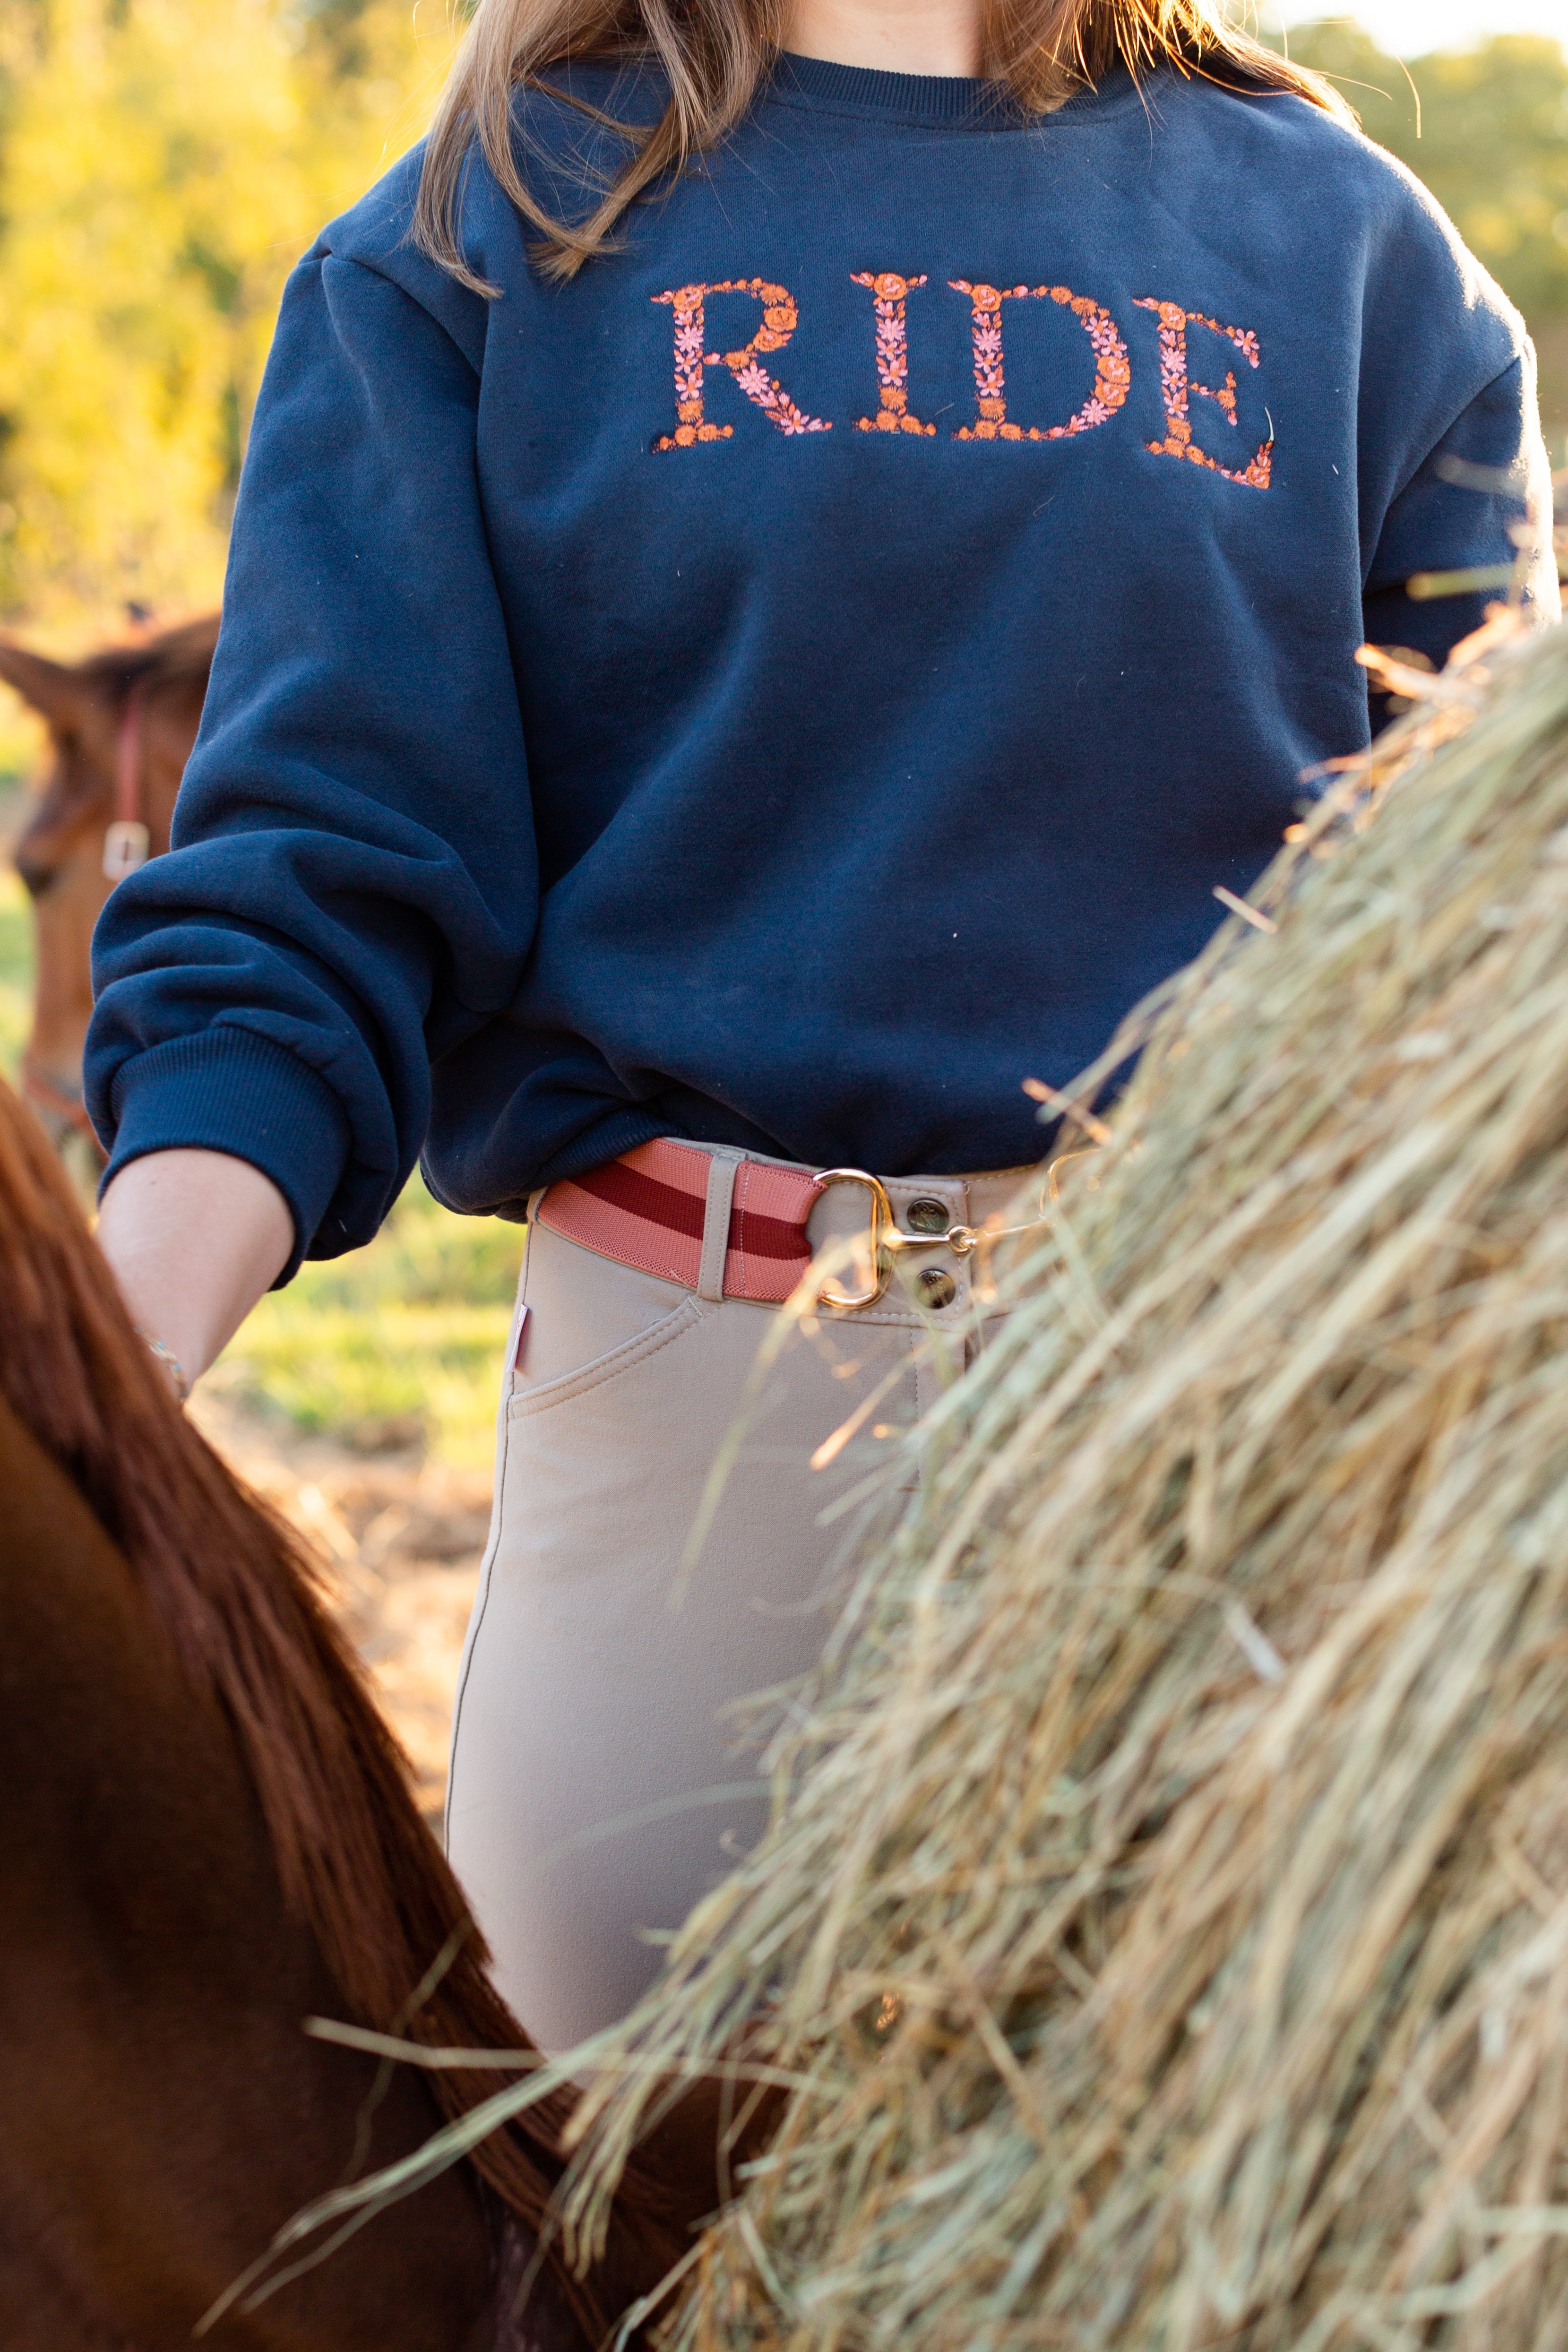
714, 53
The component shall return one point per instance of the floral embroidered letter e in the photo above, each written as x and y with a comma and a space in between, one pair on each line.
779, 320
1175, 383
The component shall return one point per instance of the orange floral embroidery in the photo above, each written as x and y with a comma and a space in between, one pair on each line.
1176, 384
1112, 372
780, 319
890, 292
691, 335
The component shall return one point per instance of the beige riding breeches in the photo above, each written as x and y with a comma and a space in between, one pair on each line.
602, 1775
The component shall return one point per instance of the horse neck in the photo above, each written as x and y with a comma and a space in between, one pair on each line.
233, 1602
165, 2114
234, 1598
225, 1583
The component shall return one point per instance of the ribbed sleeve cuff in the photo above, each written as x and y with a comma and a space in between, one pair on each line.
227, 1089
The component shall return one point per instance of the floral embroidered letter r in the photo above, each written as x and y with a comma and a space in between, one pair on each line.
780, 318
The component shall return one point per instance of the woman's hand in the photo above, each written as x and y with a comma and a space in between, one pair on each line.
194, 1239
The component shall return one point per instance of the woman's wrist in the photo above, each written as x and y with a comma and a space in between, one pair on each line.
194, 1239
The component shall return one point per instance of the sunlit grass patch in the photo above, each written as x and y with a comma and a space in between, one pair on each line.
397, 1343
16, 971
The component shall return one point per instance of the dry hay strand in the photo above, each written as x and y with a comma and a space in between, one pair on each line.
1164, 1925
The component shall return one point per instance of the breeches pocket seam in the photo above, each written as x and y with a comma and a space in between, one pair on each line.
684, 1317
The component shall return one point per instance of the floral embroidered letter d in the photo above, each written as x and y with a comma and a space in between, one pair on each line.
780, 318
1112, 371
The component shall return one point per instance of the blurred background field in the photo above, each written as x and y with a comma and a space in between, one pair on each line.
1486, 127
163, 164
16, 971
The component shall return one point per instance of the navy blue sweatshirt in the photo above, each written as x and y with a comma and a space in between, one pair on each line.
808, 674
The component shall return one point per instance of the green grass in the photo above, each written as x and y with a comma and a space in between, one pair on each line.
16, 971
401, 1339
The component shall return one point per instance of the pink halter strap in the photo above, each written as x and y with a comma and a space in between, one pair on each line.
128, 840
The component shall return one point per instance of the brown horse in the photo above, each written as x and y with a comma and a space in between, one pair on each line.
207, 1835
121, 725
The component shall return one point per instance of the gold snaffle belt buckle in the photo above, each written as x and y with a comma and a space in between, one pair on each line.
884, 1239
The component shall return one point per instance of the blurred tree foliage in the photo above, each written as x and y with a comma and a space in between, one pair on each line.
1486, 128
163, 164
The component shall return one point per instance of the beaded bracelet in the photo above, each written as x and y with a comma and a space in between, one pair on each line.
170, 1362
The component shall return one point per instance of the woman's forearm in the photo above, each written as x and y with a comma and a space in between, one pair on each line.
194, 1239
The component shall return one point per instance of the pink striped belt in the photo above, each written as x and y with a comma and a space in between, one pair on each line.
650, 1210
729, 1227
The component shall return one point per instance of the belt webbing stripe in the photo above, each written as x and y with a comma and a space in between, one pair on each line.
646, 1210
621, 1186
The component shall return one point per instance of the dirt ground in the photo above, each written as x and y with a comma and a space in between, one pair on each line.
401, 1539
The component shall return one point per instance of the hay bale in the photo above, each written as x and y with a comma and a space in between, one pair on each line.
1164, 1923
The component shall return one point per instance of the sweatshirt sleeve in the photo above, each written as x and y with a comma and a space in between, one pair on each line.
352, 885
1486, 478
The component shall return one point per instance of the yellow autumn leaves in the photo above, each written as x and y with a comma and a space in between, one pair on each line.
163, 164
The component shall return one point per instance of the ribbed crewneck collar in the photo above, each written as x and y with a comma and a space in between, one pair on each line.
951, 99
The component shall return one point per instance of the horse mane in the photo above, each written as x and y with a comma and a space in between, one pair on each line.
241, 1600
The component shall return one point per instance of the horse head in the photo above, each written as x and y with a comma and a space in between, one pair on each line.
122, 724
